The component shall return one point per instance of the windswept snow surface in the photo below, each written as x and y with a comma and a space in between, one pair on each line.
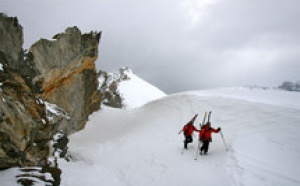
142, 146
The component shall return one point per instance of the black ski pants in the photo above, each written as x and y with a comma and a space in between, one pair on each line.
205, 146
188, 139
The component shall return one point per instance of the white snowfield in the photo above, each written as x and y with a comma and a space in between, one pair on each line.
142, 146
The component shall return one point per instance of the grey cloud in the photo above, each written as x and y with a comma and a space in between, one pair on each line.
180, 45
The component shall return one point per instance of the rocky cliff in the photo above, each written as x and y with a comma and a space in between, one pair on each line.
24, 131
67, 74
61, 72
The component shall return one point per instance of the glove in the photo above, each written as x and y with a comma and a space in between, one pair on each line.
219, 129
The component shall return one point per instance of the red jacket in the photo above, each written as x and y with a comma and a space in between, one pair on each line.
188, 129
205, 132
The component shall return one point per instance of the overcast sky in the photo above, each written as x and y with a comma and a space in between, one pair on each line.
179, 45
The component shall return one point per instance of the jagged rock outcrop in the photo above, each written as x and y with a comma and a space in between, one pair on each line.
111, 96
109, 87
59, 72
24, 127
67, 74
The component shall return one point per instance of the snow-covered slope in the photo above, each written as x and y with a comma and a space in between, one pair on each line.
136, 91
142, 146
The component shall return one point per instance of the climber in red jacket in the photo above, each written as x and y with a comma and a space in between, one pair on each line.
205, 136
188, 130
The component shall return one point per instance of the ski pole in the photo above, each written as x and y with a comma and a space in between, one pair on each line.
224, 141
197, 151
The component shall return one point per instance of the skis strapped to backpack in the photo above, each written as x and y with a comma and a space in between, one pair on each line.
209, 115
203, 121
